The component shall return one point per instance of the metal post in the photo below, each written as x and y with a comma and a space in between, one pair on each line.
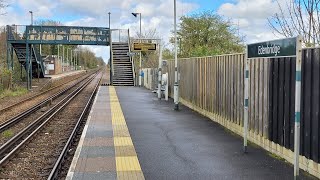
62, 59
140, 26
75, 60
297, 107
77, 64
140, 64
176, 83
110, 46
67, 59
71, 59
30, 66
27, 66
160, 72
58, 54
246, 103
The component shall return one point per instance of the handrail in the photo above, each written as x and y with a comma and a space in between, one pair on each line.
133, 70
111, 58
38, 58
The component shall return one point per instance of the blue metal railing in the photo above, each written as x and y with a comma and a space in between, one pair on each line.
74, 35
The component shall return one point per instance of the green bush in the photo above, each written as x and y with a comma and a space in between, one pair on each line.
7, 134
5, 78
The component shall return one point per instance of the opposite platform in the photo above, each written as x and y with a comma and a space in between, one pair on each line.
105, 150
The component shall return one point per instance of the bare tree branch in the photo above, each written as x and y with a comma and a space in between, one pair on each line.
3, 5
298, 17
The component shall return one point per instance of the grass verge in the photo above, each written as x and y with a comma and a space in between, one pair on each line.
18, 91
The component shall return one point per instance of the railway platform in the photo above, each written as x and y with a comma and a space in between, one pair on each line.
59, 76
130, 134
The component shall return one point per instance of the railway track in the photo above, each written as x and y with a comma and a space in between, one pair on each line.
76, 131
55, 116
14, 125
5, 111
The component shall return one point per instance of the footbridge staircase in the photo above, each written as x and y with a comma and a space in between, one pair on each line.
122, 64
22, 50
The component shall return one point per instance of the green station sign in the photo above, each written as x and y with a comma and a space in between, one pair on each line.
273, 49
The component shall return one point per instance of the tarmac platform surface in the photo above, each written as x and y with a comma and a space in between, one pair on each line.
166, 144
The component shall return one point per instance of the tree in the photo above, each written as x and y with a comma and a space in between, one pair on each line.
206, 34
298, 17
3, 5
88, 59
167, 54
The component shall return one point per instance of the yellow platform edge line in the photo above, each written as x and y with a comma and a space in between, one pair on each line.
125, 165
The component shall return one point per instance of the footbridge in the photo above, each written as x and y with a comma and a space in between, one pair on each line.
24, 41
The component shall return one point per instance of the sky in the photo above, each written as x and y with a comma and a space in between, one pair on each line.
250, 16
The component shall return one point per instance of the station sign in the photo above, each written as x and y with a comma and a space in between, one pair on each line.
144, 46
273, 49
132, 54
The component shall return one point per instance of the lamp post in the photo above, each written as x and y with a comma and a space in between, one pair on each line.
31, 14
176, 83
110, 45
140, 72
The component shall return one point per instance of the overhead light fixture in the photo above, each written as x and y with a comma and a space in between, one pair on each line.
135, 14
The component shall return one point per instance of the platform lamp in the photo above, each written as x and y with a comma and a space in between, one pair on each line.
140, 71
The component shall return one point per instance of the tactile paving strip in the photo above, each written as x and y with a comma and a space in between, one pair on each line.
127, 162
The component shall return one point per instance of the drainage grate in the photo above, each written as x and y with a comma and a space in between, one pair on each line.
105, 84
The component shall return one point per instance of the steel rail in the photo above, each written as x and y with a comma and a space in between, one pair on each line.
16, 119
57, 166
6, 153
34, 96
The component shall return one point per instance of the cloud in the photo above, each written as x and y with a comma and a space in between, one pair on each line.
156, 14
252, 17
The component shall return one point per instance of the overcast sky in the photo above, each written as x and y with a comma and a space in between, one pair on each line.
250, 15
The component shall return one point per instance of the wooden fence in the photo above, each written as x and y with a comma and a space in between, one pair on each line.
214, 86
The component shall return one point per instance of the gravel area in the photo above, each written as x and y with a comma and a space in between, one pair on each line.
7, 101
35, 160
7, 114
32, 117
